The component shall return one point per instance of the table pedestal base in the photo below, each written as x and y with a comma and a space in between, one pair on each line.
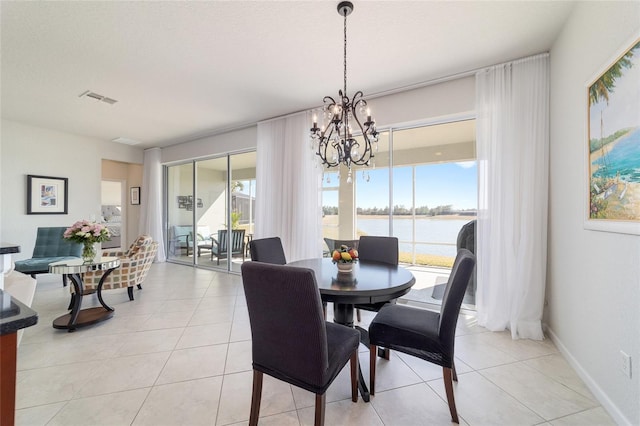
343, 314
82, 317
85, 317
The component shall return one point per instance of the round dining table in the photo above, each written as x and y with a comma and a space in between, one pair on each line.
367, 283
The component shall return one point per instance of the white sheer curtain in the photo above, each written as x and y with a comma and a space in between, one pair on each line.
288, 186
150, 222
513, 163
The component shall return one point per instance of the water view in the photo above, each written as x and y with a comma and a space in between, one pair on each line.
427, 230
622, 160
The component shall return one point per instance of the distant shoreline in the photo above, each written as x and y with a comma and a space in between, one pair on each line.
597, 154
418, 217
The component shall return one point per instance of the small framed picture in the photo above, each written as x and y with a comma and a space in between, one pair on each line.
135, 195
47, 195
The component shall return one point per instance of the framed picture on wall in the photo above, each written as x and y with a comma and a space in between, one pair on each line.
135, 195
613, 144
47, 195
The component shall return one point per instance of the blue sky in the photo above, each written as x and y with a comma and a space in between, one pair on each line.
436, 185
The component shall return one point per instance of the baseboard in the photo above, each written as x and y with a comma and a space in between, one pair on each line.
598, 393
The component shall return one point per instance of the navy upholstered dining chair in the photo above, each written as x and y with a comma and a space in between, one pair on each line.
267, 250
377, 249
425, 334
290, 339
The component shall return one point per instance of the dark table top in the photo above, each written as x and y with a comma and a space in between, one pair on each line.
16, 315
369, 282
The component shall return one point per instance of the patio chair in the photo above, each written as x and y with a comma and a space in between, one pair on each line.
336, 244
467, 240
219, 247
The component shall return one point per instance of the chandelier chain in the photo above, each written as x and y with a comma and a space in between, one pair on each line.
345, 54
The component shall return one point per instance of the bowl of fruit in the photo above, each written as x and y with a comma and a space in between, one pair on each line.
344, 258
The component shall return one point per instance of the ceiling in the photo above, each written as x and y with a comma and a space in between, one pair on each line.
183, 70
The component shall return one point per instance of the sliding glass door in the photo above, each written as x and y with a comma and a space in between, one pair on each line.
211, 210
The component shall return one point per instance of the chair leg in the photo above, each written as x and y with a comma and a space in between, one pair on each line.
64, 280
373, 352
320, 403
139, 287
130, 291
448, 386
256, 395
386, 353
324, 310
453, 371
354, 376
358, 315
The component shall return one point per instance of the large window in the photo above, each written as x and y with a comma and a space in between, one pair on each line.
422, 189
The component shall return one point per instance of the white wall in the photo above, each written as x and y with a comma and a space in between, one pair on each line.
442, 101
234, 141
450, 99
593, 287
111, 193
28, 150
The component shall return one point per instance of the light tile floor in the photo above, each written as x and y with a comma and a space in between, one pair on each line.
180, 354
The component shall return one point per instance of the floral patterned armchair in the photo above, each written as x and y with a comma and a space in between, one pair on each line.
134, 266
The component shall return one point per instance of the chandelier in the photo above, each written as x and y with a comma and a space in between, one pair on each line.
334, 141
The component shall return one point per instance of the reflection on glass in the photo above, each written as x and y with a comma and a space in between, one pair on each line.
180, 212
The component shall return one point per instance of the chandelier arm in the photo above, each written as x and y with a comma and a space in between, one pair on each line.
325, 142
328, 98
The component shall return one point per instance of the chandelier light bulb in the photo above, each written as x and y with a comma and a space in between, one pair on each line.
355, 154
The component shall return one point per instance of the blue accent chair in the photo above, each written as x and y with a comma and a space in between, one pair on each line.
50, 247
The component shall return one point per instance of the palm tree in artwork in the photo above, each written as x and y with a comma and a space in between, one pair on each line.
599, 91
607, 82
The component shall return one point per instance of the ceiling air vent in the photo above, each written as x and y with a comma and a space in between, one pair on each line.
125, 141
97, 97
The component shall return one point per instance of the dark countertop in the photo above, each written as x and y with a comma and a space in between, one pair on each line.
9, 248
16, 316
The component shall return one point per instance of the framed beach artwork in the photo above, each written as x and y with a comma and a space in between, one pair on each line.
47, 195
613, 144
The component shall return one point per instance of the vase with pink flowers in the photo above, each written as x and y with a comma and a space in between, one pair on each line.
88, 234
